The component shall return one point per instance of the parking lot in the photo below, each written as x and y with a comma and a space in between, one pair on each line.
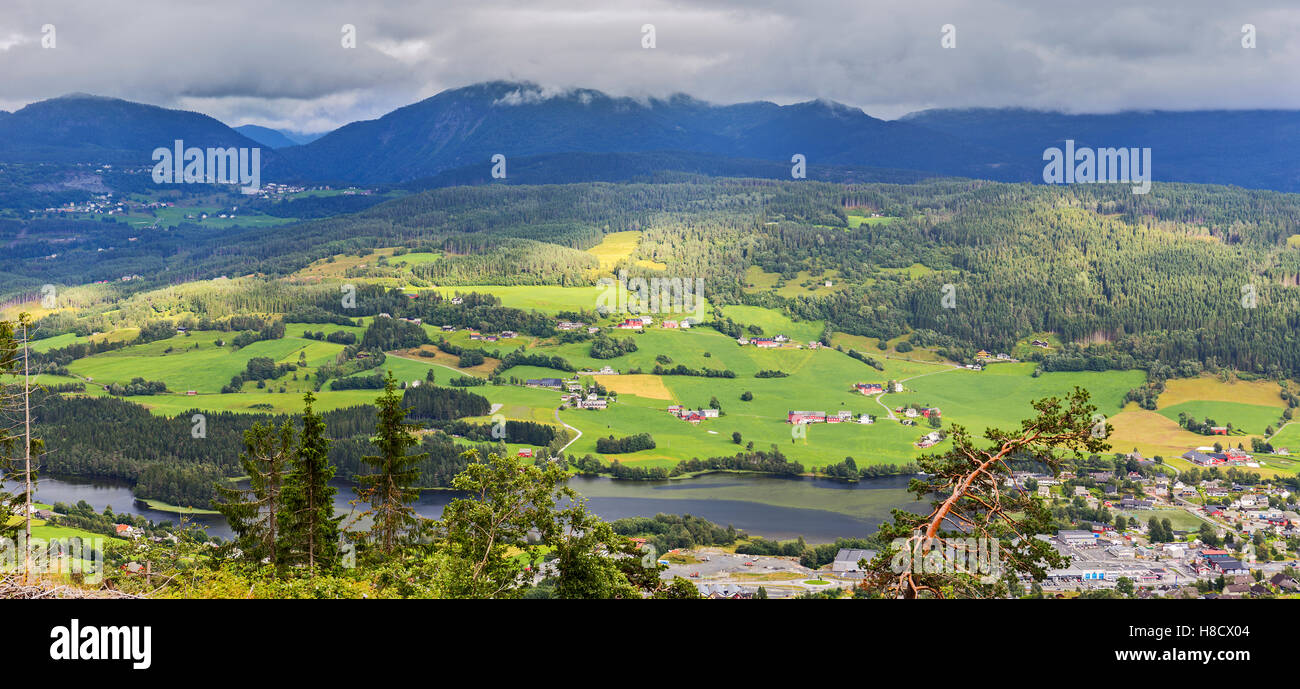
780, 576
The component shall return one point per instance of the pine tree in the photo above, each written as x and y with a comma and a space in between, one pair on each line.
967, 501
390, 489
254, 513
310, 531
11, 504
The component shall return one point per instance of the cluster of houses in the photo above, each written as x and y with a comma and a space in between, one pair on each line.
804, 417
576, 325
473, 334
590, 400
1211, 561
929, 439
1208, 456
775, 342
635, 323
504, 335
692, 415
763, 342
1125, 554
923, 412
1245, 586
36, 512
877, 388
575, 395
1251, 511
984, 354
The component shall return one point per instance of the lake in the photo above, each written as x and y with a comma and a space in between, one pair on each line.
820, 510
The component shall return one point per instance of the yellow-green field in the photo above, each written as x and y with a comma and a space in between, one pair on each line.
816, 380
804, 283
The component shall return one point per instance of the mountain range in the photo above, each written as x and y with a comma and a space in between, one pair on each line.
276, 138
453, 135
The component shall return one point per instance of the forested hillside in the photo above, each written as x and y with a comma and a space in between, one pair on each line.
1186, 272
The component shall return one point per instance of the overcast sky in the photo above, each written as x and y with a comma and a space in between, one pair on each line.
281, 63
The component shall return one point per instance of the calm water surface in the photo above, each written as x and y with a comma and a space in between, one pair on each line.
820, 510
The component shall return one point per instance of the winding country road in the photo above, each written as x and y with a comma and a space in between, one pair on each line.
575, 439
881, 396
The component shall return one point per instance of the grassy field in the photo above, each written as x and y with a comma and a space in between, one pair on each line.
1248, 418
48, 343
450, 362
337, 266
415, 258
856, 220
1287, 437
196, 362
1179, 390
50, 532
1153, 434
614, 248
164, 507
546, 299
1250, 406
775, 322
804, 284
817, 380
620, 246
1000, 395
1180, 519
870, 347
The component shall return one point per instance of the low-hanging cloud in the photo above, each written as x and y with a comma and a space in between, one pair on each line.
283, 63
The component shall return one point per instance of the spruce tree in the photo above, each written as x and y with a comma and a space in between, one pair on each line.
392, 487
310, 529
254, 513
12, 505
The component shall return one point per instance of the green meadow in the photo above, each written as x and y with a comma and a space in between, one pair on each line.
417, 258
1180, 519
775, 323
195, 362
817, 380
1287, 437
856, 221
1000, 395
1250, 418
176, 215
543, 298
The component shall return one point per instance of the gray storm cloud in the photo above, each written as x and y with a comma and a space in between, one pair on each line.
282, 64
